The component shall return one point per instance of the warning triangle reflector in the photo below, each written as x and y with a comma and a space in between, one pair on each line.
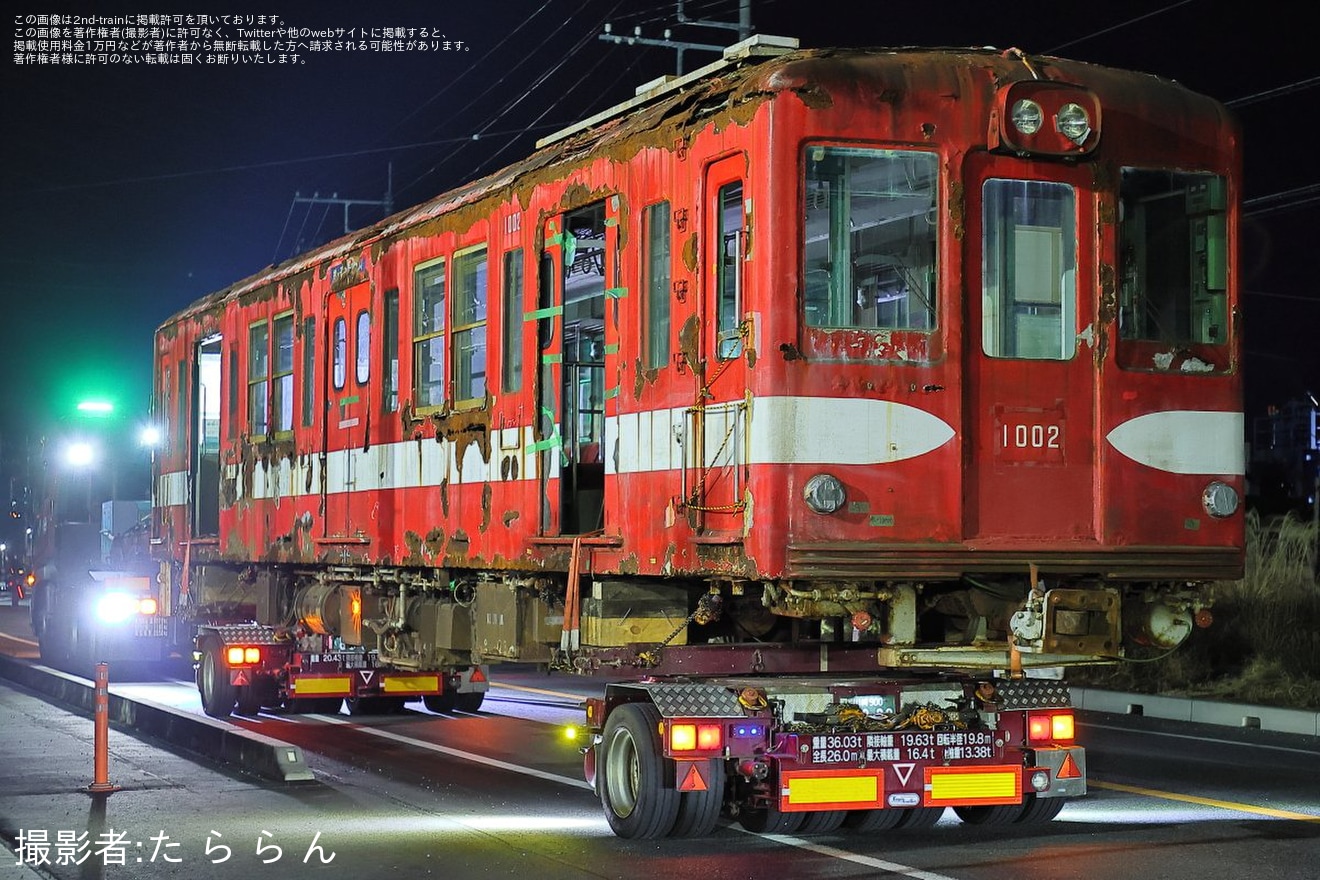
693, 781
477, 675
241, 677
1069, 770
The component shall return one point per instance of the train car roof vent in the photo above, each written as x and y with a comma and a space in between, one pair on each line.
754, 47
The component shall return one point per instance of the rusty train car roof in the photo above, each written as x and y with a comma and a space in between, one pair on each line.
815, 75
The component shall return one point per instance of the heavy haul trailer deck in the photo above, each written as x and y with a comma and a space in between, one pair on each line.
813, 753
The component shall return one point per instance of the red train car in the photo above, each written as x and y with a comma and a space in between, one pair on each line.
821, 361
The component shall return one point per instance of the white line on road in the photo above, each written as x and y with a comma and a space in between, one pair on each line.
459, 753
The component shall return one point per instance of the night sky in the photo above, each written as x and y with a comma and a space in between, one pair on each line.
130, 191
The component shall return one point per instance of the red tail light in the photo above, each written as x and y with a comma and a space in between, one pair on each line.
241, 656
1055, 727
688, 736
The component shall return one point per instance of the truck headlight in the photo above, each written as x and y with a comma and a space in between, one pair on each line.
116, 607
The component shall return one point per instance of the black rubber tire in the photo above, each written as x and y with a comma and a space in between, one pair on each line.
699, 811
872, 821
770, 821
991, 815
444, 703
919, 818
218, 695
249, 700
1040, 810
470, 702
823, 822
636, 786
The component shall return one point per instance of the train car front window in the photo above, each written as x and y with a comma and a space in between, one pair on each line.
1029, 270
869, 238
1173, 259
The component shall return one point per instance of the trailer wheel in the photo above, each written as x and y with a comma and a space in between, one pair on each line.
995, 814
444, 703
770, 820
919, 818
218, 695
698, 811
823, 822
1040, 810
249, 700
640, 803
871, 821
470, 702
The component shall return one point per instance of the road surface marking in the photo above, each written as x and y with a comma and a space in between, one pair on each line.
1204, 802
1312, 753
459, 753
856, 858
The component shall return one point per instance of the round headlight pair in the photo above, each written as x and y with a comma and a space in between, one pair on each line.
1071, 120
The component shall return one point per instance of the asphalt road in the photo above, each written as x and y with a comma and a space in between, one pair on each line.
501, 794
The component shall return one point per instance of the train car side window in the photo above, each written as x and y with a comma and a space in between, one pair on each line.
1029, 270
390, 353
282, 383
655, 284
511, 364
1173, 257
339, 368
869, 238
308, 371
362, 348
258, 374
728, 270
470, 296
233, 391
429, 334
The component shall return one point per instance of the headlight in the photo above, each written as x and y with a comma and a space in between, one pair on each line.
1027, 116
116, 607
1073, 123
1219, 499
824, 493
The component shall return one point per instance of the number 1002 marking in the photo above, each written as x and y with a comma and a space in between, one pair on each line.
1031, 437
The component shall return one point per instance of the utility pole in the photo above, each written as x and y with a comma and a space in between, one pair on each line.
743, 26
386, 204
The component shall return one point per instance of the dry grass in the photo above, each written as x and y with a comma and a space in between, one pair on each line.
1264, 646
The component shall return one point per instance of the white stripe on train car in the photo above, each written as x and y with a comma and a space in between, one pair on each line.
1184, 441
774, 430
842, 430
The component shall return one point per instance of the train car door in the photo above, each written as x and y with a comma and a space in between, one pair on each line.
204, 459
1031, 374
715, 426
580, 256
347, 396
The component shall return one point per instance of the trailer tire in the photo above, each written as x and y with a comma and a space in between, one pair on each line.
470, 702
990, 815
640, 801
218, 694
872, 821
698, 811
249, 700
822, 822
770, 820
919, 818
1039, 810
444, 703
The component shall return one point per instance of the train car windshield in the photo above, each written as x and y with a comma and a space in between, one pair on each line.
870, 238
1173, 270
